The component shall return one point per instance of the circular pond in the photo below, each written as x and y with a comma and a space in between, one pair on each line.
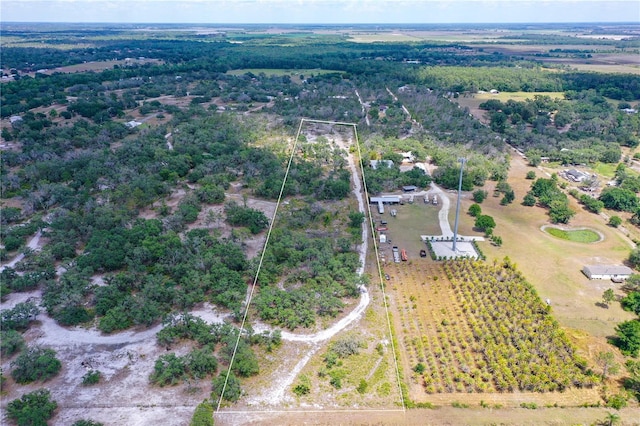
578, 235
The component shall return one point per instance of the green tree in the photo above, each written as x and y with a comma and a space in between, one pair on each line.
611, 419
634, 257
529, 200
169, 369
607, 363
32, 409
253, 219
356, 219
632, 283
631, 302
560, 212
615, 221
19, 317
531, 175
475, 210
35, 364
10, 342
608, 296
628, 337
479, 195
201, 362
485, 223
620, 199
232, 391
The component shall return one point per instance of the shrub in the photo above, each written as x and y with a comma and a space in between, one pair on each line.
362, 387
301, 389
19, 317
232, 391
10, 342
479, 195
531, 174
169, 369
615, 221
35, 364
617, 401
529, 200
92, 377
33, 408
203, 416
346, 347
475, 210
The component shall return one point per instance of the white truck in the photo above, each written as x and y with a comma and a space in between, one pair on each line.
396, 254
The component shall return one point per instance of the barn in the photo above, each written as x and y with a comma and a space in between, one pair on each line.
607, 272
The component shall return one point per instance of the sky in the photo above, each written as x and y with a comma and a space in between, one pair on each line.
320, 11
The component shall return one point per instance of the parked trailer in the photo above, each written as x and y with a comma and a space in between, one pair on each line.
396, 254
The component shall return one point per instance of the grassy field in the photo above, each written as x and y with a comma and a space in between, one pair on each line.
473, 101
516, 96
553, 265
405, 229
278, 72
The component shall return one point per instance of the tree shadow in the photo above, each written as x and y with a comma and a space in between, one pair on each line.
602, 305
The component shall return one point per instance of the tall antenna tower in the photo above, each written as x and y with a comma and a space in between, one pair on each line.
462, 161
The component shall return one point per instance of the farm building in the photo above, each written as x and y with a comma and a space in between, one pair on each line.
381, 201
409, 188
607, 272
576, 175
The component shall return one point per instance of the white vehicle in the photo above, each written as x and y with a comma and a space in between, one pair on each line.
396, 254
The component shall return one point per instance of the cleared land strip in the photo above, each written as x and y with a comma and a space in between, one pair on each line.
276, 394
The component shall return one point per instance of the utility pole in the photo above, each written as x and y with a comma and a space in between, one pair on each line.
461, 160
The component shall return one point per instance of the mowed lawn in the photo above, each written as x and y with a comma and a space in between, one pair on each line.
554, 265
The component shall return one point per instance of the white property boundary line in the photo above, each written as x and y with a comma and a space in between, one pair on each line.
253, 286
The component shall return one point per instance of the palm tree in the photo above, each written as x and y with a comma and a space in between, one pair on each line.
611, 419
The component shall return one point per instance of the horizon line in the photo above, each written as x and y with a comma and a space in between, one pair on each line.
326, 23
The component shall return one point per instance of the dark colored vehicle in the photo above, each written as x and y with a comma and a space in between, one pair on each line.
387, 277
423, 253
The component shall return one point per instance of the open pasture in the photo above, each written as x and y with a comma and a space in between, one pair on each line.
279, 72
552, 265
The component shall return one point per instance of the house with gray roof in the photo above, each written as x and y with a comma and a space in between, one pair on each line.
607, 272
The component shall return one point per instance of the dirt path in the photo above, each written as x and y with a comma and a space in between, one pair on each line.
364, 110
443, 214
33, 244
